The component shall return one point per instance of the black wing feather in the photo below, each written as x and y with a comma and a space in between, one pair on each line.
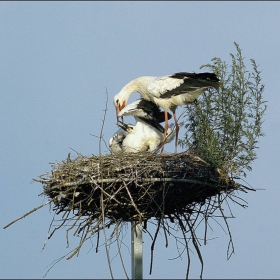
153, 123
206, 76
152, 111
192, 82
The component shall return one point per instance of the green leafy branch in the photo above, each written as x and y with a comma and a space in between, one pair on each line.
225, 124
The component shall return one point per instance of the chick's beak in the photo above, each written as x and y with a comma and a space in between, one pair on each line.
124, 126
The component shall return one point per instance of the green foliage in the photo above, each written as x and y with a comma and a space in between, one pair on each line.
224, 124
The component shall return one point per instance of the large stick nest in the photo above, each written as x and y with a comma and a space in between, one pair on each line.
134, 187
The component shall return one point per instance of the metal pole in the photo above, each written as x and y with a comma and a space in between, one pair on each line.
136, 251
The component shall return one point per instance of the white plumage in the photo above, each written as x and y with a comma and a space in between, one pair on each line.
146, 134
138, 138
168, 92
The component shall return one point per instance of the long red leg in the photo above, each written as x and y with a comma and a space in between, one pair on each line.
177, 130
165, 129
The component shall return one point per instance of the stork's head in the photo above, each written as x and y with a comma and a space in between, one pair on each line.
119, 103
121, 98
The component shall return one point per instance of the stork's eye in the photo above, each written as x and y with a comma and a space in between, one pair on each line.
117, 101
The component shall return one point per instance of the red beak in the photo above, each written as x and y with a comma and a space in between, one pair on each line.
117, 112
123, 105
118, 109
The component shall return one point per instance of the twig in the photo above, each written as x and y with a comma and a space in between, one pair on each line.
153, 246
111, 180
119, 249
230, 243
25, 215
102, 194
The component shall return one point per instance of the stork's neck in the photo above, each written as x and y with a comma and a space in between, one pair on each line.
137, 85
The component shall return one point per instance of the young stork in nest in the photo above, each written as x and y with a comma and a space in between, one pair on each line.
146, 134
168, 92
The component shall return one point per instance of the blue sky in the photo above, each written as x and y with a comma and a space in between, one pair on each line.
58, 59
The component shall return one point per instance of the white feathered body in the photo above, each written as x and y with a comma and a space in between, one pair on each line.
139, 138
165, 91
143, 137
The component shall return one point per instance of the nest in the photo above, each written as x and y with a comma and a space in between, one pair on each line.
94, 193
132, 187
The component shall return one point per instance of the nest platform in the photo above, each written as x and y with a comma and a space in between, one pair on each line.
134, 187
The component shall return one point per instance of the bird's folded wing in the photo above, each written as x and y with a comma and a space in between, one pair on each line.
182, 82
155, 124
139, 108
164, 87
144, 109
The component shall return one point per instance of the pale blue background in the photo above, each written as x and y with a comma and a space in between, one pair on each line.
56, 58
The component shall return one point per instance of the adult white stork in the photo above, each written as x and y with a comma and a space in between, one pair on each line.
168, 92
146, 134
